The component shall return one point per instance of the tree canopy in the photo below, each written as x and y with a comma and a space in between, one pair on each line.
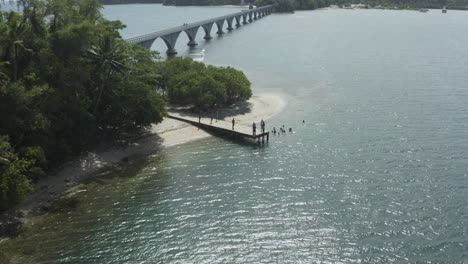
67, 79
187, 82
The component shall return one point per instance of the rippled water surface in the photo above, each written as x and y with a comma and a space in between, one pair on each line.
377, 174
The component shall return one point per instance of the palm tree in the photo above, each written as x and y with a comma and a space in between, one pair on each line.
3, 76
12, 42
109, 58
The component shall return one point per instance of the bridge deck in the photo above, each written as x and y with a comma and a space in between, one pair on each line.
224, 127
157, 34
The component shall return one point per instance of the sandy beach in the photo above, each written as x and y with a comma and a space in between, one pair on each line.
163, 135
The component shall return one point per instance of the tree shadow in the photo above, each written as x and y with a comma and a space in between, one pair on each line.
240, 108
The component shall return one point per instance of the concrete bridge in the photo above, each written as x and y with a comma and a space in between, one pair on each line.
169, 36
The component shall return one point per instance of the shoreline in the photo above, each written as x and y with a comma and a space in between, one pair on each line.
168, 133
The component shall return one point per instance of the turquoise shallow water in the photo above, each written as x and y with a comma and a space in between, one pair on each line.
377, 174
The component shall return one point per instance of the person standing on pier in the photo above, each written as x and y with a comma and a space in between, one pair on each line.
254, 128
233, 123
262, 125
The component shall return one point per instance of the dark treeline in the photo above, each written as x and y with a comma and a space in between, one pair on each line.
291, 5
68, 80
201, 2
411, 4
114, 2
282, 5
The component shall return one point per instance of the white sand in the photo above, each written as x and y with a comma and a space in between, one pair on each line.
265, 106
165, 134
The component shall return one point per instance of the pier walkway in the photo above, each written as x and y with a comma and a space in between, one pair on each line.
223, 127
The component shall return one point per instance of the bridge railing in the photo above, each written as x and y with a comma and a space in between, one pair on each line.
156, 34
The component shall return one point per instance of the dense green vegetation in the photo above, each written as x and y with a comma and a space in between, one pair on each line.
68, 80
282, 6
187, 82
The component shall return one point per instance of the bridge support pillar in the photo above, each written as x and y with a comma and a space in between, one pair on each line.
207, 29
220, 24
244, 18
170, 41
192, 34
147, 44
171, 35
229, 21
238, 21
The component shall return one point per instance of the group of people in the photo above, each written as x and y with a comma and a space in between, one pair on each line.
254, 127
281, 130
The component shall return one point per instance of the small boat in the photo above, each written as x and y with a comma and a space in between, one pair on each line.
423, 10
198, 56
444, 10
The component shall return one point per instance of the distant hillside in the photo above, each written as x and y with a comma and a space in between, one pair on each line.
115, 2
202, 2
289, 5
310, 4
405, 4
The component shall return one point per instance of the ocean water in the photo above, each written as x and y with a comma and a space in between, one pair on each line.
377, 173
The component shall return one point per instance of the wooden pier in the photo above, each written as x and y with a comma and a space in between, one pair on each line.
224, 127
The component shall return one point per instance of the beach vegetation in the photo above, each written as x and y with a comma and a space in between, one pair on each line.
67, 80
190, 83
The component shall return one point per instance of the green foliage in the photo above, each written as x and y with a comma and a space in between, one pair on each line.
14, 184
192, 83
291, 5
282, 6
173, 67
197, 88
133, 103
235, 83
67, 79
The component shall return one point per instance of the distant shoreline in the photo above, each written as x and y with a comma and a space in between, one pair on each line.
123, 2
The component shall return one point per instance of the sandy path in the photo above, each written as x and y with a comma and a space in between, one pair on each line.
163, 135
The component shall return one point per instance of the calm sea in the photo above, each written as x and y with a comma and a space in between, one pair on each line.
377, 173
